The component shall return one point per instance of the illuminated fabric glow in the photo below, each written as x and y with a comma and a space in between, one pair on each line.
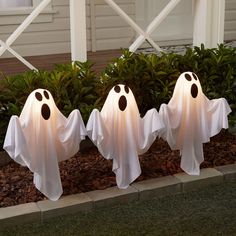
191, 119
41, 137
120, 134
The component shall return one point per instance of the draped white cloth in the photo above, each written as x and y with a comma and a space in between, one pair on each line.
191, 119
15, 3
41, 137
120, 134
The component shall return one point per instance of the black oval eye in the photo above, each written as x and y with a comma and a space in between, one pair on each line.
194, 76
46, 94
117, 88
126, 89
38, 96
194, 90
45, 111
188, 77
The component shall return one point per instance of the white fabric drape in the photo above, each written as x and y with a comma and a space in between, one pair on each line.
121, 134
191, 119
41, 137
15, 3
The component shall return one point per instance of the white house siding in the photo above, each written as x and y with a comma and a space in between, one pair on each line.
111, 31
230, 20
50, 33
176, 28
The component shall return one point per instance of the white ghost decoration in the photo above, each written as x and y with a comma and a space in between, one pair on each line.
191, 119
41, 137
120, 134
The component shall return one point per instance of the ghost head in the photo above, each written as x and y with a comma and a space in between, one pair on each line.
120, 134
188, 97
120, 104
40, 112
191, 119
41, 137
40, 104
121, 92
188, 85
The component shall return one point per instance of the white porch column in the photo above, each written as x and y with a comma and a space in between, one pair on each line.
78, 30
208, 26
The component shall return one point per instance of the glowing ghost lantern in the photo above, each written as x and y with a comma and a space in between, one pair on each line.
191, 119
41, 137
120, 134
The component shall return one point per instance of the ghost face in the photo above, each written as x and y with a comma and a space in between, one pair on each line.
194, 87
120, 104
39, 108
45, 109
121, 97
188, 87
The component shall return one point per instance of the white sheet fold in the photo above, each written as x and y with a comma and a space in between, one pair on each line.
191, 119
121, 134
41, 137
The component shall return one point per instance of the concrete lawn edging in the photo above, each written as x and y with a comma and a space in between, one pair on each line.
89, 201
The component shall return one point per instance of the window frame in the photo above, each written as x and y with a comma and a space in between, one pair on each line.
17, 12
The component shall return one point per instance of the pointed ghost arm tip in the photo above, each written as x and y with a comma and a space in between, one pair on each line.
151, 126
95, 127
74, 126
219, 110
15, 142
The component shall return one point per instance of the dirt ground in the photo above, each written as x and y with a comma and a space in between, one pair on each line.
88, 170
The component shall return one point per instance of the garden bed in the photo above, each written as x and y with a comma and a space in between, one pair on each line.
88, 170
152, 79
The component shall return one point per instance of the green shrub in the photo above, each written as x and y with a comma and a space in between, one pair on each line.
151, 78
14, 92
73, 86
216, 69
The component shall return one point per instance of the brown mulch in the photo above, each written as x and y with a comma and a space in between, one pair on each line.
88, 170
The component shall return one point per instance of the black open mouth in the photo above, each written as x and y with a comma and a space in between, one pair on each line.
45, 111
122, 103
194, 90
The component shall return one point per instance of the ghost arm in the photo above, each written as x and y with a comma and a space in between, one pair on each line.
15, 142
171, 119
71, 134
218, 110
151, 125
98, 133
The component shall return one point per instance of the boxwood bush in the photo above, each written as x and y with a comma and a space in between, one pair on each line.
73, 86
151, 77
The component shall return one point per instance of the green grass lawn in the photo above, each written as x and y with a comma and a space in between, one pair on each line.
211, 211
